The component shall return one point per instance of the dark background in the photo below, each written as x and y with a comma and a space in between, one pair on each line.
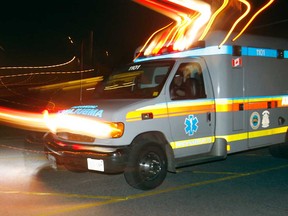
36, 32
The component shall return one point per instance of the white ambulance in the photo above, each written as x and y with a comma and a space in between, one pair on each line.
177, 109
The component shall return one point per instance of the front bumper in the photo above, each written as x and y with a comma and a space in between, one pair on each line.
85, 160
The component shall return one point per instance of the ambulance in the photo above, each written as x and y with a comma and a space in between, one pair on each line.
176, 109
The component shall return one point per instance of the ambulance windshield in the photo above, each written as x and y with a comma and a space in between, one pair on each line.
141, 80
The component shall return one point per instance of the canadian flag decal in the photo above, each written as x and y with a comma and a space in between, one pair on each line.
237, 62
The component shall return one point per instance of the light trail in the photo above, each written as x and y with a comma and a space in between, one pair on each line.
39, 67
189, 17
237, 21
21, 119
47, 73
190, 32
252, 19
193, 20
61, 122
213, 18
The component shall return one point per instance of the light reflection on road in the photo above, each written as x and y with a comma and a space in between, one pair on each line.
29, 186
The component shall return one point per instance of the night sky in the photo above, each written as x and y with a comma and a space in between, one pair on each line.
36, 32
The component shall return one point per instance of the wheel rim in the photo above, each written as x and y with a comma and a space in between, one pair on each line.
150, 166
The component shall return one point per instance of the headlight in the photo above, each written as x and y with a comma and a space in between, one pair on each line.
84, 126
117, 129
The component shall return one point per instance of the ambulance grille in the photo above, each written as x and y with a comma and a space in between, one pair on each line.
74, 137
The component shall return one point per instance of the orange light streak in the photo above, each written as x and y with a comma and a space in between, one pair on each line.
180, 41
23, 120
82, 125
47, 73
173, 34
190, 34
183, 34
150, 38
70, 84
251, 20
213, 18
44, 122
237, 21
158, 42
191, 16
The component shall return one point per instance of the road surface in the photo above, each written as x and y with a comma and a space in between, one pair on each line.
249, 183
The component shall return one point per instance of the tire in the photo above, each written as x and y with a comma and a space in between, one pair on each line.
279, 150
147, 166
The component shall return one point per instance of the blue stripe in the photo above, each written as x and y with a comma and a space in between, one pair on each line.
215, 50
286, 54
284, 98
261, 52
212, 50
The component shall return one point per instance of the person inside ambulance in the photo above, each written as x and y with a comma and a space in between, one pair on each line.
184, 84
177, 89
188, 82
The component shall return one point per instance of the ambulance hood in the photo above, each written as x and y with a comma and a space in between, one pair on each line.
107, 110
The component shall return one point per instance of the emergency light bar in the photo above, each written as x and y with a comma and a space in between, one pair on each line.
223, 50
169, 50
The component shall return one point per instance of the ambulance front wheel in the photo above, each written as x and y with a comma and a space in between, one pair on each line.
147, 166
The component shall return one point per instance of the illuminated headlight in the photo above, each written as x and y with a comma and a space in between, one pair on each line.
117, 129
84, 126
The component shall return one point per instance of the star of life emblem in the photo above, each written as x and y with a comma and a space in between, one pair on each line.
191, 126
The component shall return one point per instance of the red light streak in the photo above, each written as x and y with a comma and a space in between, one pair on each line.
149, 48
167, 10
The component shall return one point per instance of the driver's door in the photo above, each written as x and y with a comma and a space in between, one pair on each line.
192, 114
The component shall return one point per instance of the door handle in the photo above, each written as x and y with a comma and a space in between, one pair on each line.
209, 117
241, 107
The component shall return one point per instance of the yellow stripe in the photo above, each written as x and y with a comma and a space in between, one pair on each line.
228, 138
160, 110
269, 132
192, 142
234, 137
254, 134
266, 99
190, 103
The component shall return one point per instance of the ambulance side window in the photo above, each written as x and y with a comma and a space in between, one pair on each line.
188, 82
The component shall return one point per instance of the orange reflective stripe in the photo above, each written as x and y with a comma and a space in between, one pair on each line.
181, 108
